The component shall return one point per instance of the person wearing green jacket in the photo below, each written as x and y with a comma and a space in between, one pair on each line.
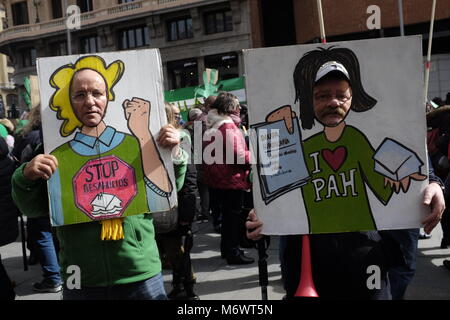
120, 267
129, 268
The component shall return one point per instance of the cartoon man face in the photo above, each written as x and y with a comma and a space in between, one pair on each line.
332, 94
88, 97
332, 100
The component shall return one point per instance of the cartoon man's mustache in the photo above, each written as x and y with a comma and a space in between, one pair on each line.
337, 111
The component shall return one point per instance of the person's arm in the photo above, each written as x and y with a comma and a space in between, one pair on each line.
29, 190
180, 158
433, 198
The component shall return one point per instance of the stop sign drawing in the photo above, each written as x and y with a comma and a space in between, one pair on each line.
104, 187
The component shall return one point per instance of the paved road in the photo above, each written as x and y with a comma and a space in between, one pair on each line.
218, 281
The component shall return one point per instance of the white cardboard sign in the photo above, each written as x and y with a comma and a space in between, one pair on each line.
371, 173
113, 169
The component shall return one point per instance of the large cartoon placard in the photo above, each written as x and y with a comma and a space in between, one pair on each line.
101, 116
338, 131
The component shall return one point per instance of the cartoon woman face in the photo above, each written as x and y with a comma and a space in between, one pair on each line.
82, 92
88, 97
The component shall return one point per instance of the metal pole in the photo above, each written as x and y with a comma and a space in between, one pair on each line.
24, 245
69, 38
400, 14
321, 24
262, 266
428, 62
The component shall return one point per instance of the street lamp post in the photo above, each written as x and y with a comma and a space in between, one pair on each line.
69, 38
36, 5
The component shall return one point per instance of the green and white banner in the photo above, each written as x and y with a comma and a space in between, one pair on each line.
187, 98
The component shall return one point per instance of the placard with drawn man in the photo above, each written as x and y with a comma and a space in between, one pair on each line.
361, 164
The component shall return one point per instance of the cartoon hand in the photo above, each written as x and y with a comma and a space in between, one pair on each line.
403, 183
137, 112
283, 113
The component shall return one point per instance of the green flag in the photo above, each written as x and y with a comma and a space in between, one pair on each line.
210, 87
27, 93
188, 97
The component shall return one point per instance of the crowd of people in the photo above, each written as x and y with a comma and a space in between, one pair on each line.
339, 260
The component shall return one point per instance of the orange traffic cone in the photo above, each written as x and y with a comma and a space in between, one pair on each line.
306, 286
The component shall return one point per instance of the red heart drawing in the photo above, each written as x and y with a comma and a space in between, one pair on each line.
335, 158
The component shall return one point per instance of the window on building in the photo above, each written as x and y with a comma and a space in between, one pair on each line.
134, 38
125, 1
89, 44
180, 29
20, 13
4, 23
12, 99
85, 5
226, 63
218, 21
58, 48
11, 77
182, 73
28, 57
56, 9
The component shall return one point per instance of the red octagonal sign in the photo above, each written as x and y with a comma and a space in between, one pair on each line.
104, 187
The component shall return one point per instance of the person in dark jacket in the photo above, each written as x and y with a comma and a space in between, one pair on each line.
9, 213
31, 135
340, 261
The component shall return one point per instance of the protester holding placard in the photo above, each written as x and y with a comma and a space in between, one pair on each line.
119, 259
340, 261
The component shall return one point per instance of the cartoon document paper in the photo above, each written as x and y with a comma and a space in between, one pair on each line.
101, 116
354, 158
397, 163
281, 166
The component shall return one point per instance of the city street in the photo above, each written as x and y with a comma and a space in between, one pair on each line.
218, 281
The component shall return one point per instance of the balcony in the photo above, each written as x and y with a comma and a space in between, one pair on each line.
7, 86
99, 16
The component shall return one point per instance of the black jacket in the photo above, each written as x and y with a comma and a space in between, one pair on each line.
187, 196
340, 263
8, 211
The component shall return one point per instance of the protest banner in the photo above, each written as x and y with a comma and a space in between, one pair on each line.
370, 176
112, 168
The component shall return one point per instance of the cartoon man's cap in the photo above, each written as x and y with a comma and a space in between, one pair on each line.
331, 66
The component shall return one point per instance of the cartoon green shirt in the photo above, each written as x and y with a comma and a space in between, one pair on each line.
104, 180
336, 196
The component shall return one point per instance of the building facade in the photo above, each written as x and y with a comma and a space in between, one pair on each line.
196, 34
191, 34
8, 94
289, 22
